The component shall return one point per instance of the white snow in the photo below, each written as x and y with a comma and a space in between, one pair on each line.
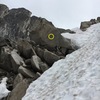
77, 77
3, 90
81, 38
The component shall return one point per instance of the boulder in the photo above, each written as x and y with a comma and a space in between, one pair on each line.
35, 61
40, 30
50, 57
19, 91
39, 52
16, 61
98, 19
25, 49
3, 10
43, 66
85, 25
93, 21
26, 72
17, 80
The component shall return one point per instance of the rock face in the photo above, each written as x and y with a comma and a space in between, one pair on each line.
39, 31
16, 23
25, 49
3, 10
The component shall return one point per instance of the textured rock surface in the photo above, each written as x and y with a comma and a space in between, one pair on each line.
25, 49
35, 61
26, 72
50, 57
3, 10
19, 91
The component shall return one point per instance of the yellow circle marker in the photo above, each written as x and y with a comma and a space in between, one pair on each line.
51, 36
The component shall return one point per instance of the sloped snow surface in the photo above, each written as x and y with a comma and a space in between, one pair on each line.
77, 77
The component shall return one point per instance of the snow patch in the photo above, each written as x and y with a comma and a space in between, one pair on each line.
3, 90
77, 77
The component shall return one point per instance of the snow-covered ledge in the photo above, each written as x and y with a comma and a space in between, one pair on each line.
77, 77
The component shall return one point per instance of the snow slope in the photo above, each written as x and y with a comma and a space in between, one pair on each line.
3, 90
77, 77
81, 38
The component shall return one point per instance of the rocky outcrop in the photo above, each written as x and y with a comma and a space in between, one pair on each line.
28, 47
40, 30
3, 10
86, 24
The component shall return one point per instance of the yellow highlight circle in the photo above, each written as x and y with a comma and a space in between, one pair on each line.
51, 36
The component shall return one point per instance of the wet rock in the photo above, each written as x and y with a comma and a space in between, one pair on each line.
25, 49
27, 72
50, 57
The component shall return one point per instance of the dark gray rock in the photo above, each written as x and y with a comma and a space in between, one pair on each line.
85, 25
2, 72
65, 30
63, 51
16, 61
39, 52
43, 66
93, 21
17, 80
25, 49
98, 19
50, 57
19, 91
3, 10
28, 61
35, 61
4, 42
40, 29
5, 59
17, 21
26, 72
